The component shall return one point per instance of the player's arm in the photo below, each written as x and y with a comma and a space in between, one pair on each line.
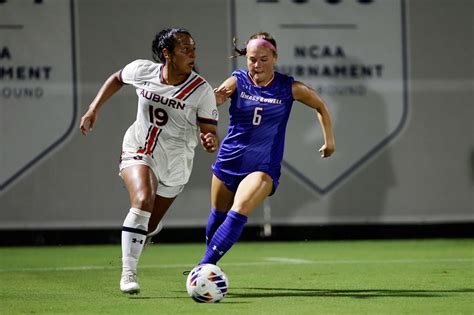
207, 118
309, 97
109, 88
209, 138
225, 90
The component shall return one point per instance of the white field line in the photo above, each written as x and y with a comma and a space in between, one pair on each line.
267, 262
289, 260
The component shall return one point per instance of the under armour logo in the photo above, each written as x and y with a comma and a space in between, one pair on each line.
215, 249
137, 241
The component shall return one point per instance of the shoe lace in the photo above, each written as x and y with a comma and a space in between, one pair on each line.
131, 277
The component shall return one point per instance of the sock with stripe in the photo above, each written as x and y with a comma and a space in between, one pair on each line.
213, 222
226, 236
134, 231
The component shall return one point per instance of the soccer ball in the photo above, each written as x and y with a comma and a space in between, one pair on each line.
207, 283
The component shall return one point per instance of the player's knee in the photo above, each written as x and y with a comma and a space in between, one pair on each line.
244, 208
143, 200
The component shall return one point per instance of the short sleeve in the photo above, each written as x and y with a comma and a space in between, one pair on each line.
128, 74
207, 110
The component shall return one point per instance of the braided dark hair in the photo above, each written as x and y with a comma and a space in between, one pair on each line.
263, 35
166, 39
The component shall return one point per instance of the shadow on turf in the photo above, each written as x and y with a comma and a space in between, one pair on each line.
282, 292
358, 294
139, 297
177, 297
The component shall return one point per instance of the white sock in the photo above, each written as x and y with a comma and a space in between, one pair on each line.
134, 231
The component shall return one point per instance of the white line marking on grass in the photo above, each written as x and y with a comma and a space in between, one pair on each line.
118, 267
267, 262
394, 261
289, 260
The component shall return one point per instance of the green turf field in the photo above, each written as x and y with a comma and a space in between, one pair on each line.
340, 277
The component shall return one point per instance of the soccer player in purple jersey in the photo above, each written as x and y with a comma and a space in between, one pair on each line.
248, 163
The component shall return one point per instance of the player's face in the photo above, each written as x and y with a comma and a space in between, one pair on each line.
260, 61
184, 54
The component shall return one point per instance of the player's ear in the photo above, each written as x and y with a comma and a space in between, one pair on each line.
166, 53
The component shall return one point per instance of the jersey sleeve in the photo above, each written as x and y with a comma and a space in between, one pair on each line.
130, 74
238, 74
207, 110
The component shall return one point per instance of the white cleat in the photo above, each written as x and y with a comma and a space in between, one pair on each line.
129, 283
148, 241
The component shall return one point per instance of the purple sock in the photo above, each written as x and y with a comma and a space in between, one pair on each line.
215, 220
226, 235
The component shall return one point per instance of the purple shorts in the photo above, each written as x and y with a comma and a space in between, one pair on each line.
232, 181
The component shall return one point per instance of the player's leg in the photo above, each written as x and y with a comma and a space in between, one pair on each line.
162, 204
251, 191
141, 184
221, 202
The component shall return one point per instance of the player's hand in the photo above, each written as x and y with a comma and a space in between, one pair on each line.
209, 141
222, 94
88, 121
327, 150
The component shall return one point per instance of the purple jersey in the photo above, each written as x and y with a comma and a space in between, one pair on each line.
256, 136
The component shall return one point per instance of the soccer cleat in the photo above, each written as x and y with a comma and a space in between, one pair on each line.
147, 241
187, 272
129, 283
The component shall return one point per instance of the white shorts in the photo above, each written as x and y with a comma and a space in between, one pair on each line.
130, 158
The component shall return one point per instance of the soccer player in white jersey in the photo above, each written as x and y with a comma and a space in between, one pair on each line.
158, 148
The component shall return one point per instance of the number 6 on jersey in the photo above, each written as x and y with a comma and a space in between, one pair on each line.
257, 118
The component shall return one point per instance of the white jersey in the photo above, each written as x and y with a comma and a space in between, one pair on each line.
166, 126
